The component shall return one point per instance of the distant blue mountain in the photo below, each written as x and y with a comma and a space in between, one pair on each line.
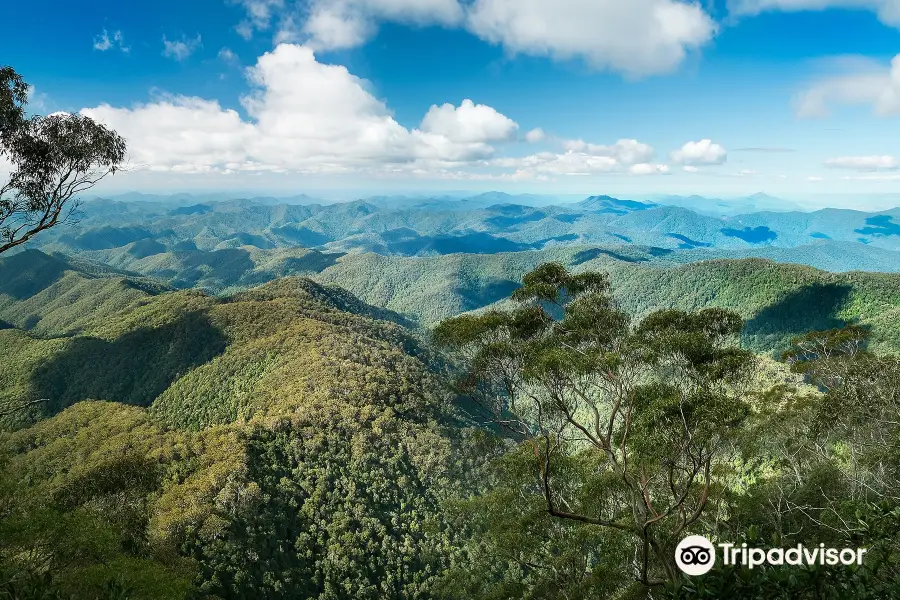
421, 225
728, 207
608, 204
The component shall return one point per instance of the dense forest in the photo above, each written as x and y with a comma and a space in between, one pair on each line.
440, 396
778, 300
292, 441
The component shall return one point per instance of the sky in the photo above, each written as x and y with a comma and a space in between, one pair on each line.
725, 97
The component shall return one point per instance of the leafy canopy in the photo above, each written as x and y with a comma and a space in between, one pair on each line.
54, 158
628, 424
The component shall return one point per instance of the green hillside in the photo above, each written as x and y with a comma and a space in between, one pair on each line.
293, 441
54, 295
89, 334
184, 440
778, 300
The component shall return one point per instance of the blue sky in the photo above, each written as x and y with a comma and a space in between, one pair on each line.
793, 97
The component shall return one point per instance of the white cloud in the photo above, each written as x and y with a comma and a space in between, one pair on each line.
36, 100
307, 117
340, 24
180, 49
227, 55
189, 134
570, 163
535, 135
260, 14
864, 163
636, 37
104, 42
583, 158
867, 85
628, 152
690, 169
704, 152
888, 11
245, 30
328, 28
468, 123
814, 179
648, 169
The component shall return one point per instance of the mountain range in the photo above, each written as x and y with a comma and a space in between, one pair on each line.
406, 226
237, 398
778, 300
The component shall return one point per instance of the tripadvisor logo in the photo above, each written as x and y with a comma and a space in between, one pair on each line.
696, 555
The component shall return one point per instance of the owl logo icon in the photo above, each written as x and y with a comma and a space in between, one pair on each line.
695, 555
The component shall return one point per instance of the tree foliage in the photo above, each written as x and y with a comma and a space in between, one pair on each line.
284, 447
629, 424
305, 455
54, 158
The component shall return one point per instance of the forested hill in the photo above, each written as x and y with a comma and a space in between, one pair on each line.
58, 295
261, 444
76, 332
777, 300
292, 440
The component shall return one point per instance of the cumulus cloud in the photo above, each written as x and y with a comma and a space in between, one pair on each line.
814, 179
690, 169
570, 163
179, 133
535, 135
864, 163
637, 37
340, 24
888, 11
104, 42
469, 122
628, 152
583, 158
648, 169
180, 49
878, 87
305, 117
704, 152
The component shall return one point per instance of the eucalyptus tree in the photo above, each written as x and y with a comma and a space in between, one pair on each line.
630, 424
52, 159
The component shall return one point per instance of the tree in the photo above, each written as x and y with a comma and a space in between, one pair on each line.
53, 159
630, 425
824, 469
